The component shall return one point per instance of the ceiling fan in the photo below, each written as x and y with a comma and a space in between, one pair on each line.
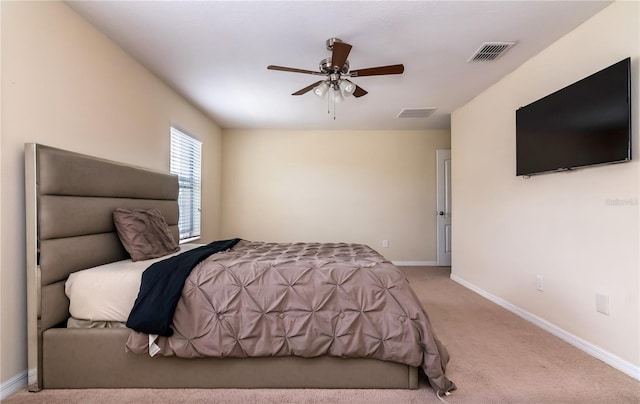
336, 69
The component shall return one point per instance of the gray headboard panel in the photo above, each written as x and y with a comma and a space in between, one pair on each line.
69, 216
66, 173
70, 200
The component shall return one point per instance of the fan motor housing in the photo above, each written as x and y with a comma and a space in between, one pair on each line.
326, 67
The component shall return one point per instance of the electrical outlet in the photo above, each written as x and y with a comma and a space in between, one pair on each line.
540, 283
385, 243
602, 303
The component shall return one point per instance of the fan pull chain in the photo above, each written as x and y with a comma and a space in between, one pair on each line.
332, 101
334, 104
328, 105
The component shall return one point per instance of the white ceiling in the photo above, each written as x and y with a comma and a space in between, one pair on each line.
215, 53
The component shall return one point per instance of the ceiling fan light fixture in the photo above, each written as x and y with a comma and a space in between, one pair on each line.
347, 88
321, 89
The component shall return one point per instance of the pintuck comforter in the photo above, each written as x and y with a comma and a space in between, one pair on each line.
304, 299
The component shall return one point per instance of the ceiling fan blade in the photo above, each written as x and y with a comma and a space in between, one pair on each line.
293, 70
378, 71
359, 92
307, 88
339, 54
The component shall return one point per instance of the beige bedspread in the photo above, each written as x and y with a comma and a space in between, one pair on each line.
303, 299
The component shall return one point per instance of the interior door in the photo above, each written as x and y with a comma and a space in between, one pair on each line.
443, 206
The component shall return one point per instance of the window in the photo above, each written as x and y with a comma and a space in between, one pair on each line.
185, 162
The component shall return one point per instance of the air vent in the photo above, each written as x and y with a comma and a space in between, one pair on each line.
490, 51
416, 112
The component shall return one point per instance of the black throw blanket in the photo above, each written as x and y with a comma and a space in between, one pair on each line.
162, 285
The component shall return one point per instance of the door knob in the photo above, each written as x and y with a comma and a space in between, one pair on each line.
441, 213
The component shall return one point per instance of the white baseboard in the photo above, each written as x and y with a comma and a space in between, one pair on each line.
13, 385
593, 350
415, 263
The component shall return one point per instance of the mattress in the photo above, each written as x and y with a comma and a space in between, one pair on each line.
103, 296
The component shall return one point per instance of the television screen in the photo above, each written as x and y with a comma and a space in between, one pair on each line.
586, 123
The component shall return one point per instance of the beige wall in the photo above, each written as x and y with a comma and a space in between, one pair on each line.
66, 85
349, 186
508, 229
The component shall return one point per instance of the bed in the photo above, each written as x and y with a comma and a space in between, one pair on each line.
70, 199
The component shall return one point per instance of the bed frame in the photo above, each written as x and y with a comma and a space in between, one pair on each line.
69, 202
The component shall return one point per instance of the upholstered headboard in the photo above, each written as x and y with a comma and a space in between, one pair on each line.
70, 198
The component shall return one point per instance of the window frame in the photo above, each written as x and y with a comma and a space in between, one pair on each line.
186, 162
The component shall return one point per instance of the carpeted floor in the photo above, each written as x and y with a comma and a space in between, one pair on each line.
496, 357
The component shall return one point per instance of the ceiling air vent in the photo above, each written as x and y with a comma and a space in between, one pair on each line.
416, 112
490, 51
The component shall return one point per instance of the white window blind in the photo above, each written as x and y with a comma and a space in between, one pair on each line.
186, 155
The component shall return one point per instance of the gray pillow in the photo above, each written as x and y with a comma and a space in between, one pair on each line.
144, 233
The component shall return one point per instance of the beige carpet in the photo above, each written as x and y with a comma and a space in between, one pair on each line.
496, 357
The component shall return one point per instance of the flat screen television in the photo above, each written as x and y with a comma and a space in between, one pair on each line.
584, 124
